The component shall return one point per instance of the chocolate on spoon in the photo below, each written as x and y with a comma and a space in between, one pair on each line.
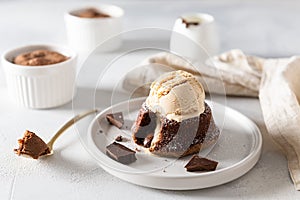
33, 146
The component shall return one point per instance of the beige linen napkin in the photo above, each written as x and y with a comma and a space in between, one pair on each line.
279, 98
233, 71
276, 81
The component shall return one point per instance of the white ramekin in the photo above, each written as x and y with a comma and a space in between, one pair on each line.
196, 42
44, 86
85, 34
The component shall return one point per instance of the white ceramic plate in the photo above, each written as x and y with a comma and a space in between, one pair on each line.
237, 151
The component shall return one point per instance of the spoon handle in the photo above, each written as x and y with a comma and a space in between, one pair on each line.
67, 125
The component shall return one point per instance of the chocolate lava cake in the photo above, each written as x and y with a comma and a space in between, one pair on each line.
174, 138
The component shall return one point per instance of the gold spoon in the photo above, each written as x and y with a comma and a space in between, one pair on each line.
65, 127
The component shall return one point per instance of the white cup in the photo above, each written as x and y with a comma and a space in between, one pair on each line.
44, 86
195, 41
85, 34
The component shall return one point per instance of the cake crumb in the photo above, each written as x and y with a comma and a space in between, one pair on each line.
137, 149
119, 138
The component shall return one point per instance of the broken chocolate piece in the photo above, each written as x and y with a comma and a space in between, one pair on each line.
120, 153
119, 138
115, 119
148, 140
201, 164
32, 145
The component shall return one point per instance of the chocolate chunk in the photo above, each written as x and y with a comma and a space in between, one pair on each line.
148, 140
115, 119
187, 24
201, 164
32, 145
120, 153
119, 138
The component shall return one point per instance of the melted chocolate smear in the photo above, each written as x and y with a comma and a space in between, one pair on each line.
187, 24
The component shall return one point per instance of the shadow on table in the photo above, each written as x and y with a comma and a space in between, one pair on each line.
77, 168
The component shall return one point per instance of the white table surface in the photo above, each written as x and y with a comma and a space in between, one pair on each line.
262, 28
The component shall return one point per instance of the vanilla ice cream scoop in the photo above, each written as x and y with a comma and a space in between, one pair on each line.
177, 95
